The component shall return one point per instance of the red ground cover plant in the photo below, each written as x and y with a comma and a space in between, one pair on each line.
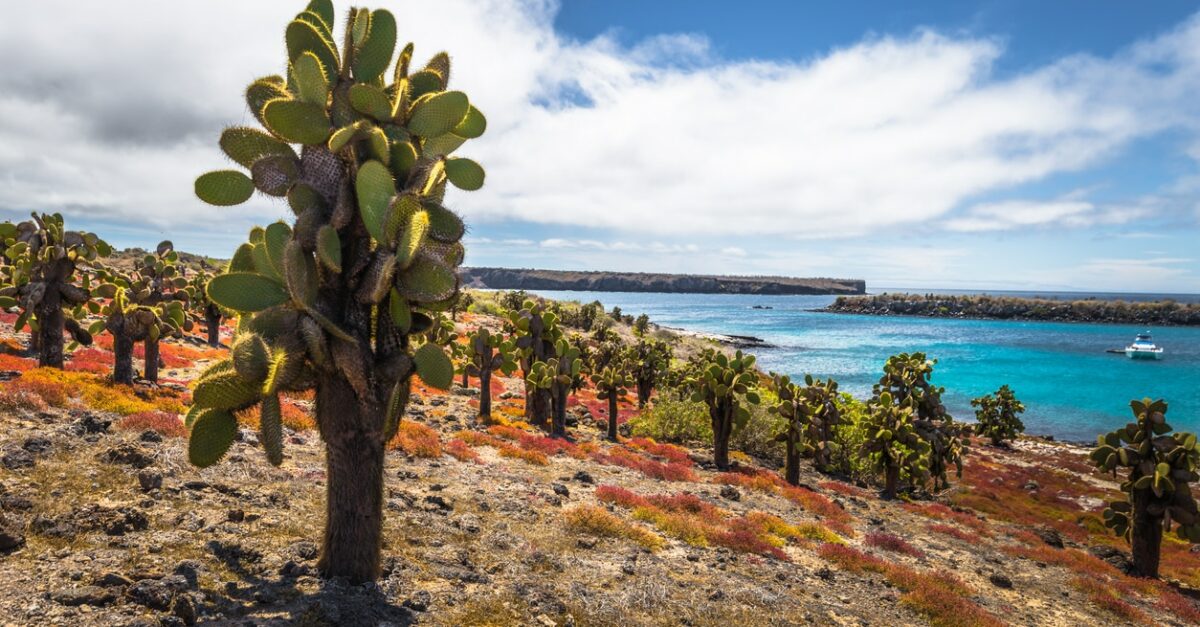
619, 456
938, 511
893, 543
93, 360
166, 424
475, 438
953, 532
14, 363
461, 451
417, 440
670, 452
843, 488
15, 398
1107, 598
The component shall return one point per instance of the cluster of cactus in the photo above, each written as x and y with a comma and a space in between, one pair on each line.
487, 353
560, 375
41, 275
998, 416
144, 305
811, 412
725, 385
535, 331
1161, 468
906, 378
893, 445
203, 309
651, 360
333, 302
462, 303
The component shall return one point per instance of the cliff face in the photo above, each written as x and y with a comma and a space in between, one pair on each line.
522, 279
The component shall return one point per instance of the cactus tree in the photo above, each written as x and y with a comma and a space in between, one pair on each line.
1162, 467
906, 378
999, 416
893, 444
332, 303
39, 276
204, 309
612, 385
724, 385
651, 360
535, 331
487, 353
811, 412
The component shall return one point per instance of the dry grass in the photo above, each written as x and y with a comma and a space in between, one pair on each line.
598, 521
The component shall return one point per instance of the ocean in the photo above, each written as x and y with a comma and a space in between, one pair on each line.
1072, 388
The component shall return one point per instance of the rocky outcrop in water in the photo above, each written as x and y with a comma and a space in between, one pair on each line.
526, 279
1155, 313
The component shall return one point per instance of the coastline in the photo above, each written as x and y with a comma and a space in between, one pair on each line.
987, 307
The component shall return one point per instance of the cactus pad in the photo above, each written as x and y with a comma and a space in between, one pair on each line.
270, 429
275, 175
473, 125
312, 81
411, 238
212, 434
433, 366
438, 114
247, 145
376, 51
302, 37
227, 391
224, 188
427, 280
444, 225
371, 101
245, 292
296, 121
249, 356
329, 248
375, 190
464, 173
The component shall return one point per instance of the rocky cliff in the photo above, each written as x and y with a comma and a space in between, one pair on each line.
526, 279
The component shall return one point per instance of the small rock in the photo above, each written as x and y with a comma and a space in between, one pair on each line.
419, 602
1049, 536
628, 568
112, 580
17, 459
560, 490
1001, 581
716, 595
583, 477
1032, 485
586, 543
235, 515
155, 594
438, 502
12, 533
1118, 558
825, 573
126, 455
37, 445
86, 595
151, 436
150, 480
184, 609
731, 493
303, 550
91, 423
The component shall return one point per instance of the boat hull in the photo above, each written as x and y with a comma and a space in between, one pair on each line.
1143, 354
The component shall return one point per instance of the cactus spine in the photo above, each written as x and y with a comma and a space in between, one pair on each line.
1162, 467
998, 416
340, 298
724, 385
39, 277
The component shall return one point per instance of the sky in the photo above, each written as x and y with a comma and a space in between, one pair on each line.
990, 145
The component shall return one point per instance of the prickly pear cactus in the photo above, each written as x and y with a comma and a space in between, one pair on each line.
811, 411
906, 378
146, 304
201, 309
360, 142
535, 332
998, 416
41, 277
1161, 468
488, 353
567, 369
651, 359
893, 444
612, 385
725, 385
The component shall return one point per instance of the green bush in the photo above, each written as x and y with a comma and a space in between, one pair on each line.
670, 420
757, 436
850, 434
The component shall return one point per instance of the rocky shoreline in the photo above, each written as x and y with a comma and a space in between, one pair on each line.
1155, 313
531, 279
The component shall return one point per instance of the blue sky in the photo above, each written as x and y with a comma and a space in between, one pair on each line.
1001, 145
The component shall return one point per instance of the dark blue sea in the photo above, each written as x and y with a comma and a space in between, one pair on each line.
1072, 389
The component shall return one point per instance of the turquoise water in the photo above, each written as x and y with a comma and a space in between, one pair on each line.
1072, 389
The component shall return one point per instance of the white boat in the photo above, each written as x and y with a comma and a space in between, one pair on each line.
1143, 348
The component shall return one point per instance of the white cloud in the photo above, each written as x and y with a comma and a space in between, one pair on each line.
115, 107
1155, 274
1018, 214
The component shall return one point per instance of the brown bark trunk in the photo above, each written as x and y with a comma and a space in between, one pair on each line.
50, 328
722, 426
150, 368
464, 377
485, 393
1146, 536
558, 425
612, 417
354, 458
122, 358
792, 464
643, 393
212, 320
891, 481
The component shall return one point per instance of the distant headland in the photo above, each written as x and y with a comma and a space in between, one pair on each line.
1150, 313
528, 279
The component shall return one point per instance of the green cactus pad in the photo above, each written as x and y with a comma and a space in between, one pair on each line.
433, 366
302, 199
427, 280
247, 145
301, 275
262, 91
228, 391
296, 121
435, 147
302, 37
212, 434
424, 82
371, 101
472, 125
360, 25
404, 157
411, 237
262, 262
329, 248
444, 225
250, 358
317, 21
436, 115
245, 292
276, 237
375, 54
400, 312
224, 188
377, 141
397, 399
270, 429
440, 63
323, 8
243, 259
464, 173
402, 62
375, 190
275, 175
312, 82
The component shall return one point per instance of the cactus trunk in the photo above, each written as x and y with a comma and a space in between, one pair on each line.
50, 329
485, 393
722, 426
643, 392
212, 321
558, 426
1146, 536
612, 417
464, 378
791, 470
354, 490
891, 481
122, 358
150, 370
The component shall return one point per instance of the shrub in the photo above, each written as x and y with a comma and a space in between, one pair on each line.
600, 522
671, 420
893, 543
757, 435
998, 416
